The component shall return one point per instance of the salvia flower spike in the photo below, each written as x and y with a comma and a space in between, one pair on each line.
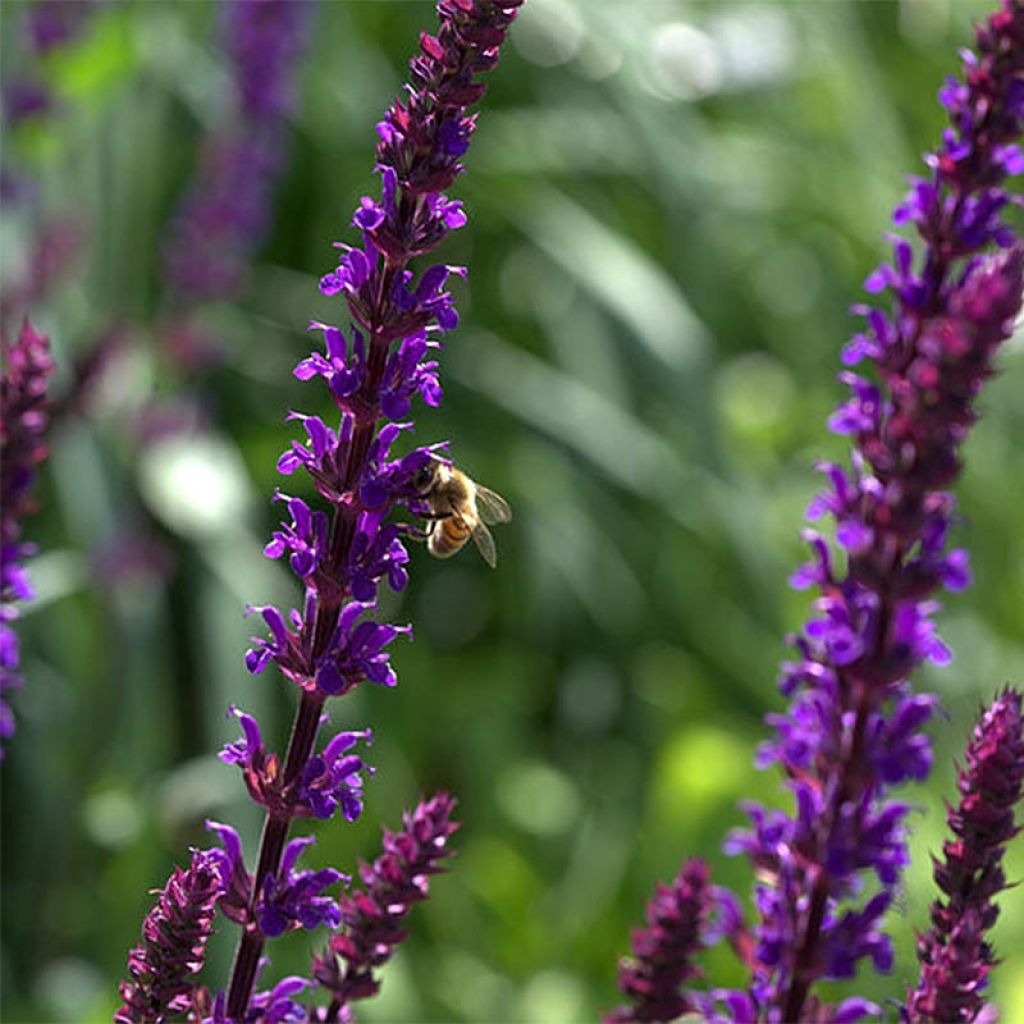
372, 917
955, 954
678, 918
24, 416
173, 949
828, 871
854, 726
376, 369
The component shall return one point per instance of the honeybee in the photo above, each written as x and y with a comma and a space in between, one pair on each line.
459, 509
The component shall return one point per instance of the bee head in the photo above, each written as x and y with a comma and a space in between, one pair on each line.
426, 475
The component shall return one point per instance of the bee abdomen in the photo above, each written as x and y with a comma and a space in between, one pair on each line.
449, 537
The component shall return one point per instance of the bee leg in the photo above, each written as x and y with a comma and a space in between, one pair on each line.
423, 535
415, 533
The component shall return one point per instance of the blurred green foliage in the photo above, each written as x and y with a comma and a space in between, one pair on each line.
672, 206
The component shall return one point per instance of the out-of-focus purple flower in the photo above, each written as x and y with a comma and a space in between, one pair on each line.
46, 25
373, 917
329, 780
955, 955
853, 728
173, 949
53, 239
24, 98
52, 23
226, 213
264, 42
130, 556
24, 416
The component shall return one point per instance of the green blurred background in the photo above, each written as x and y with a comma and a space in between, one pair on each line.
672, 206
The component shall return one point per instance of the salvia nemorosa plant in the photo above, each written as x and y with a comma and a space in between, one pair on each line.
226, 211
828, 870
373, 370
24, 416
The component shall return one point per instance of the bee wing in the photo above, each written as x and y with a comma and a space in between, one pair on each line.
485, 544
493, 508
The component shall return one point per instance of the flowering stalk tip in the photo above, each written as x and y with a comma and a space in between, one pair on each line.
955, 955
173, 949
678, 917
372, 917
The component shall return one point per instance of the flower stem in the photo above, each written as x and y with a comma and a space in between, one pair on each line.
275, 833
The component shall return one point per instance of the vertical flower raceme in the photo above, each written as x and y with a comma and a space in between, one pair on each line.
955, 956
372, 918
226, 212
373, 370
678, 918
174, 937
827, 871
853, 728
24, 376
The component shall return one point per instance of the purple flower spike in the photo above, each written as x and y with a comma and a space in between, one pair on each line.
174, 937
377, 367
24, 417
679, 925
955, 955
373, 917
827, 872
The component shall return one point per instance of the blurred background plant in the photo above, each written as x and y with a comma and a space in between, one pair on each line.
673, 204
